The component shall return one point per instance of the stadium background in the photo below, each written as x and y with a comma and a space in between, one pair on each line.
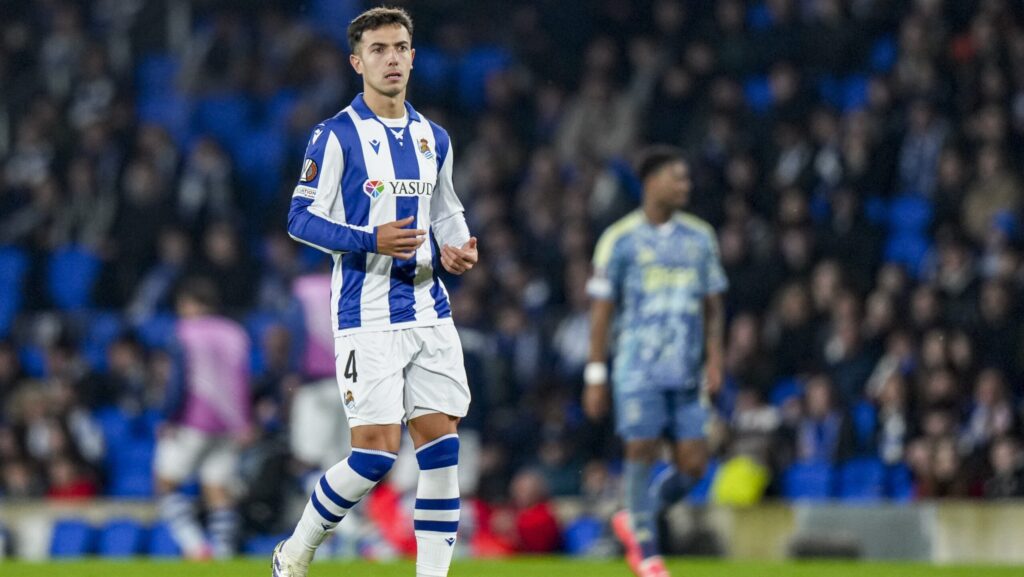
859, 159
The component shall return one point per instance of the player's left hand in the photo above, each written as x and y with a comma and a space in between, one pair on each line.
713, 379
459, 260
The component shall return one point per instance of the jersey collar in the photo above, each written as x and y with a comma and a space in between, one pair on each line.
364, 112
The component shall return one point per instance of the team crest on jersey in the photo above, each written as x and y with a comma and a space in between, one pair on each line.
425, 149
373, 188
309, 170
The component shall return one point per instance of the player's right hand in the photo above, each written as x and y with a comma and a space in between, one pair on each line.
595, 401
393, 239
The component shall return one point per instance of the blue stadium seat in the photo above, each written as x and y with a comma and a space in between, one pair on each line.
899, 483
224, 116
785, 389
758, 93
862, 479
855, 92
474, 69
257, 324
70, 276
131, 470
875, 209
278, 110
759, 17
161, 543
433, 69
101, 329
33, 360
122, 538
699, 493
115, 424
831, 90
155, 74
909, 250
808, 481
72, 538
157, 331
262, 544
884, 54
258, 157
581, 535
168, 110
865, 420
910, 213
13, 266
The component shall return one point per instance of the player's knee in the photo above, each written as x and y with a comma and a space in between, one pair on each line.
645, 451
443, 452
371, 465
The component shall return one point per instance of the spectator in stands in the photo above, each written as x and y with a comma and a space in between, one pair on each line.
528, 525
1007, 462
823, 433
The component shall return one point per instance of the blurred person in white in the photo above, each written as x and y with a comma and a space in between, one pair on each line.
991, 415
208, 418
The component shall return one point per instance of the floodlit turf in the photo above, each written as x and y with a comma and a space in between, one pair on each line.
535, 567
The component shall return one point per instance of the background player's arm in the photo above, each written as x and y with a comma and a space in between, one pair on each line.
595, 392
458, 248
714, 342
319, 187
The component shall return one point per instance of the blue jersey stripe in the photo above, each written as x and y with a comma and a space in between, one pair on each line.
440, 299
401, 298
357, 212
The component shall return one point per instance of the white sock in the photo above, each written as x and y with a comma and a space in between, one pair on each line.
436, 519
224, 525
178, 511
341, 487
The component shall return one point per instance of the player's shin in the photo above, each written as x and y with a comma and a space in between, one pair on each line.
642, 507
436, 520
178, 511
340, 488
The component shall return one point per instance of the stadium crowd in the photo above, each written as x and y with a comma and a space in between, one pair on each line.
858, 158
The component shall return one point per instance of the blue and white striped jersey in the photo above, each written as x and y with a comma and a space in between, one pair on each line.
361, 171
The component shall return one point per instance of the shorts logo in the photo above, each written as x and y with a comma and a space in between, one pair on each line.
309, 170
373, 188
350, 401
425, 149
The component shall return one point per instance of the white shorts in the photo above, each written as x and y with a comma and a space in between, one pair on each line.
184, 451
388, 377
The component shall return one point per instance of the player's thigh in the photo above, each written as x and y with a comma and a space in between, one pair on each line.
640, 413
178, 453
219, 466
435, 381
370, 367
318, 429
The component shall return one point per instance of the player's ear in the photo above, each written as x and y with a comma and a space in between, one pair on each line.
412, 56
357, 63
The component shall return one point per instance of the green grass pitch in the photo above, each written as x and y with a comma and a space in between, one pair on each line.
524, 567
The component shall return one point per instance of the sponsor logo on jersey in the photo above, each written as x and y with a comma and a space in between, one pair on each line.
398, 187
425, 149
309, 170
375, 145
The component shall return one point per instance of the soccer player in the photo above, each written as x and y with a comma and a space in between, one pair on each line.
376, 193
208, 418
657, 273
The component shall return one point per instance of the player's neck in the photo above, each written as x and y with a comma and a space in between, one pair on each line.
383, 105
657, 214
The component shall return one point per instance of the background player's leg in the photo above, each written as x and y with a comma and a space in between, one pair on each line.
436, 519
177, 454
374, 448
224, 521
690, 452
640, 457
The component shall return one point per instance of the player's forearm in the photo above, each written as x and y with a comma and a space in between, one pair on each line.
600, 323
326, 235
714, 330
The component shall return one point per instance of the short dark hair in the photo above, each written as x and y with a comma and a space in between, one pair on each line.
654, 157
201, 290
375, 18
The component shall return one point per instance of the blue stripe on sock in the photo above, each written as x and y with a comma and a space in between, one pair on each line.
334, 496
370, 466
443, 454
436, 526
327, 515
437, 504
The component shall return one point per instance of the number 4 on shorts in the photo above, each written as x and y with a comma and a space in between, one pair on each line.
350, 366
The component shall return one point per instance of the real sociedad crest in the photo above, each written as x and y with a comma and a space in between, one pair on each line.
425, 149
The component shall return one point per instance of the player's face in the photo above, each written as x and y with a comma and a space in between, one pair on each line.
384, 58
672, 184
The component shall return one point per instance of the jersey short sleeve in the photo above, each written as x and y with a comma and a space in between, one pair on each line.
713, 279
609, 266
